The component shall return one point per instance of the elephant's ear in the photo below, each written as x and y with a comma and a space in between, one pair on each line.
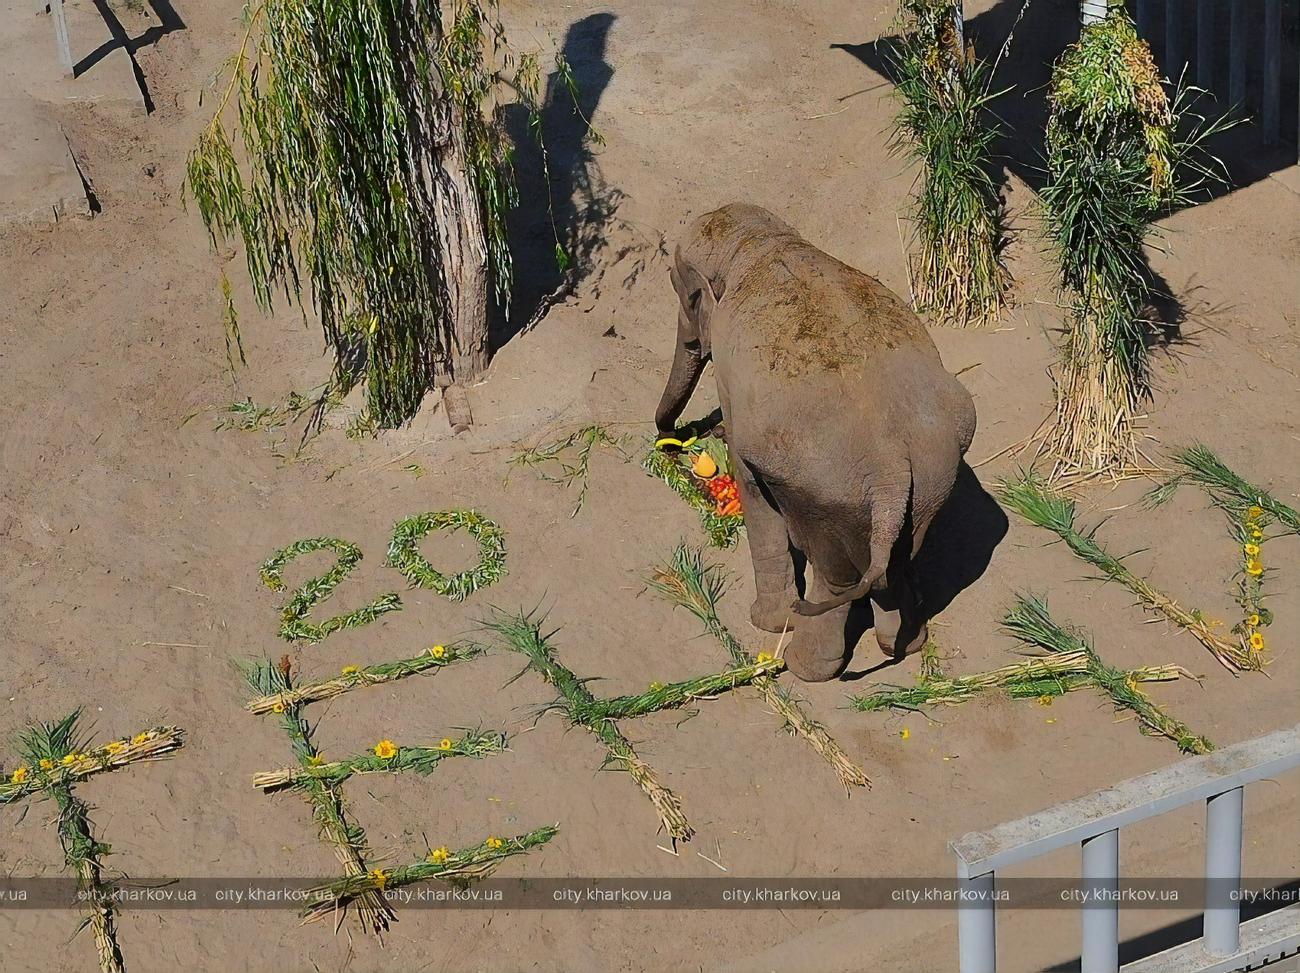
698, 294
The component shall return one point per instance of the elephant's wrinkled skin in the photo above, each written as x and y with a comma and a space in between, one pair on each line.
845, 430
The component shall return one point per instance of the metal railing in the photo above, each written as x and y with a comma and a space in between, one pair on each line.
1093, 822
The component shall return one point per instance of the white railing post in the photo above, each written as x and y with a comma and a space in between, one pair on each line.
977, 943
1222, 930
1100, 952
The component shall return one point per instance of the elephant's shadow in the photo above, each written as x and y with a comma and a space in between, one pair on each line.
955, 554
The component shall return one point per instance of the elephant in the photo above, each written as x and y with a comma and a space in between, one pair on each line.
844, 430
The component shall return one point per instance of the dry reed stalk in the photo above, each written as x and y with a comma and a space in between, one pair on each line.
1038, 503
697, 587
460, 867
147, 745
521, 633
368, 676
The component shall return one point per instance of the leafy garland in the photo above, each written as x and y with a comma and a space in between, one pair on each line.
293, 623
404, 553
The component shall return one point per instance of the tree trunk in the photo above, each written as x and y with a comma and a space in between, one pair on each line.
462, 238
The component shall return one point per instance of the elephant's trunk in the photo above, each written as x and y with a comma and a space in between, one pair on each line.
688, 365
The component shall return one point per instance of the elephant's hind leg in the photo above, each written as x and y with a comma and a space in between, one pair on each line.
819, 650
896, 605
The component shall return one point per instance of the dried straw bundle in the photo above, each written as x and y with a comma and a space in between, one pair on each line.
522, 633
696, 586
1038, 503
355, 677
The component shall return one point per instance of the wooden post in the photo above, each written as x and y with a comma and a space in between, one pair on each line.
1175, 55
1271, 113
61, 35
1205, 47
1237, 46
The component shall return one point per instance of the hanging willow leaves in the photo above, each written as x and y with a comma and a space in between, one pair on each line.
365, 166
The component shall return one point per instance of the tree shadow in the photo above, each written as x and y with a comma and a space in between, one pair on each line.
572, 209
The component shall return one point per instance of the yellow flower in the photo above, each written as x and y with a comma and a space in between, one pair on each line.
47, 764
904, 733
18, 776
439, 856
116, 747
444, 744
140, 738
763, 658
494, 842
1254, 568
1253, 621
380, 877
1257, 641
385, 749
315, 760
1252, 550
1045, 700
438, 651
1255, 512
656, 686
351, 670
68, 759
1256, 534
277, 706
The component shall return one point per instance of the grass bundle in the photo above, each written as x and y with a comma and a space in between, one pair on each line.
294, 626
77, 763
572, 454
1250, 512
1030, 621
1038, 503
57, 755
696, 586
1120, 153
348, 840
957, 273
352, 677
522, 633
1042, 678
404, 552
363, 173
420, 760
1199, 465
723, 530
457, 867
661, 696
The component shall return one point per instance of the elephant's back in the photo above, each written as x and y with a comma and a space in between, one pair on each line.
802, 311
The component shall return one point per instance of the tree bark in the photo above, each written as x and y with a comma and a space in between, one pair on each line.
462, 237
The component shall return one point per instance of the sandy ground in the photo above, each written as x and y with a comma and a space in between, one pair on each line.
132, 539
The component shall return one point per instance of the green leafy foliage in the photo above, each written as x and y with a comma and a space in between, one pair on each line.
944, 123
330, 175
404, 552
294, 626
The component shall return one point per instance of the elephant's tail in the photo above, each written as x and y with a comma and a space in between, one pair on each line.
886, 524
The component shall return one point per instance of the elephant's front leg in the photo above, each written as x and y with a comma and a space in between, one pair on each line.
769, 549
